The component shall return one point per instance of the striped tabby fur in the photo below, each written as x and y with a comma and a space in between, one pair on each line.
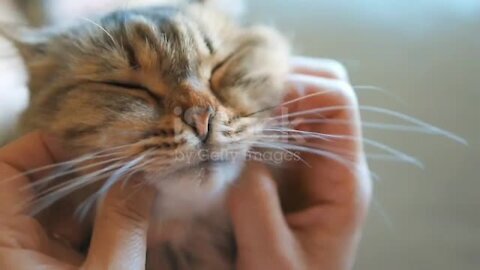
130, 78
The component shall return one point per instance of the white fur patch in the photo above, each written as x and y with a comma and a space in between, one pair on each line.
194, 193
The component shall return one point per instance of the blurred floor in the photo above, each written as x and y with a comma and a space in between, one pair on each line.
427, 54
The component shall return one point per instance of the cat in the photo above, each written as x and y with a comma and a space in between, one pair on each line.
177, 92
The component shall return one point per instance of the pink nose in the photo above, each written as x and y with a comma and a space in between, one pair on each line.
199, 120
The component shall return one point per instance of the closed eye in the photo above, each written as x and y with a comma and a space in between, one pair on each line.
234, 54
131, 86
222, 63
217, 67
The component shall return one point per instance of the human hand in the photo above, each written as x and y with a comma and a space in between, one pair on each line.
119, 236
310, 218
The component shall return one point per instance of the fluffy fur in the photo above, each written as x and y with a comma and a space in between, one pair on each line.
170, 87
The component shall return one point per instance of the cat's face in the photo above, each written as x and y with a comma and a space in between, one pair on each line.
171, 86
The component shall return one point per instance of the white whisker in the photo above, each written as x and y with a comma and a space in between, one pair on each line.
83, 208
348, 164
47, 198
365, 124
386, 148
80, 159
52, 177
381, 90
101, 28
304, 97
274, 146
352, 154
377, 110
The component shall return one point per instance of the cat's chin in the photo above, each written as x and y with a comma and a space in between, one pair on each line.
193, 191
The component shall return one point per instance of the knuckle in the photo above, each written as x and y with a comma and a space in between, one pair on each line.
265, 187
346, 92
128, 215
336, 69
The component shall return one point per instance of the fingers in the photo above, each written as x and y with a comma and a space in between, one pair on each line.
331, 111
338, 187
12, 195
21, 259
259, 225
324, 68
336, 122
23, 241
25, 233
29, 152
119, 236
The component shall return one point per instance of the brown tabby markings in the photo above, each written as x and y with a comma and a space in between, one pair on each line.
131, 79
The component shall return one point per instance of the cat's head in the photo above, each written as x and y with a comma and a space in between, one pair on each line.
175, 86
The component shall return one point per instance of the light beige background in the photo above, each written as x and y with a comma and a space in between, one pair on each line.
424, 53
427, 54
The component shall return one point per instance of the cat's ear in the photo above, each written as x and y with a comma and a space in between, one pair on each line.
232, 8
32, 47
30, 44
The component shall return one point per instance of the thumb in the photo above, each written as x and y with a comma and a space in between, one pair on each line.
261, 232
121, 225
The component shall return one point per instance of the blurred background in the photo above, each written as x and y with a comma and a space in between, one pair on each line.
421, 58
425, 55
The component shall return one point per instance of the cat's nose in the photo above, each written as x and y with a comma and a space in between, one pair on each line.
199, 119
